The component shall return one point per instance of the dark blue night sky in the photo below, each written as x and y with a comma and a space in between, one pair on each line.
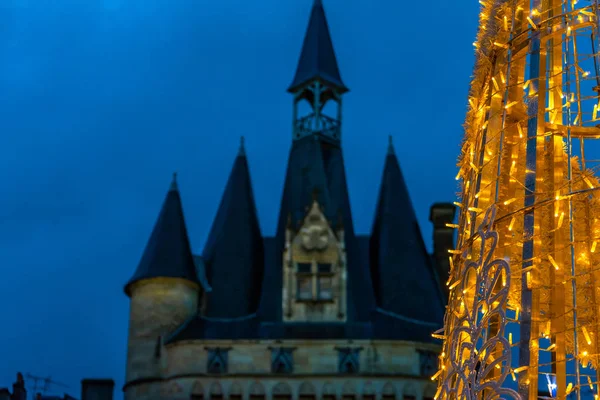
101, 100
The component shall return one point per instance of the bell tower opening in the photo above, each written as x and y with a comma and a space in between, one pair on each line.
317, 110
317, 86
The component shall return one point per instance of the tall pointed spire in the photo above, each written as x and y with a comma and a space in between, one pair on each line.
174, 182
242, 150
401, 268
168, 253
391, 145
317, 59
233, 253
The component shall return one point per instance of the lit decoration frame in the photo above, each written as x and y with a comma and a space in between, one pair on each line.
523, 313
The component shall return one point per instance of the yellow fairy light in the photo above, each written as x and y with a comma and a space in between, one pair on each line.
454, 226
595, 112
533, 25
510, 339
458, 175
586, 334
560, 220
520, 369
528, 279
517, 313
495, 83
455, 284
593, 249
551, 347
554, 264
512, 103
569, 388
526, 84
520, 129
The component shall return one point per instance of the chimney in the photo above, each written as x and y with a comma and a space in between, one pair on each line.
4, 394
97, 389
443, 239
19, 392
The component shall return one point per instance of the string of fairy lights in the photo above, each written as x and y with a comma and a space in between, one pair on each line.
523, 316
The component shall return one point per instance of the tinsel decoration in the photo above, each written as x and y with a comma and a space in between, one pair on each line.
524, 307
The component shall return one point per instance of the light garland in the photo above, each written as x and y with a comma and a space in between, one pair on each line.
524, 307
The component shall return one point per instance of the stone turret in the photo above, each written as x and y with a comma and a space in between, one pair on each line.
164, 293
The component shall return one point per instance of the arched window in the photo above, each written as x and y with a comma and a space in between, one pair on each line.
388, 392
216, 392
257, 391
235, 391
197, 391
368, 392
409, 392
328, 392
307, 392
348, 391
429, 392
282, 391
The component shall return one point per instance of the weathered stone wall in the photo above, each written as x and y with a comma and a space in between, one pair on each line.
388, 370
295, 388
157, 308
316, 242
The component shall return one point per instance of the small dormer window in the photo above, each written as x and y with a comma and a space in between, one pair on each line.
315, 281
217, 360
282, 360
348, 360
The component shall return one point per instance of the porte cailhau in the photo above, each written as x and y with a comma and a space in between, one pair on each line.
314, 311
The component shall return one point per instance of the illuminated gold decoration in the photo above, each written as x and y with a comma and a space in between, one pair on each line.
524, 305
472, 368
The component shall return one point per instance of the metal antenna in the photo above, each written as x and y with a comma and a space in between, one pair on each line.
42, 384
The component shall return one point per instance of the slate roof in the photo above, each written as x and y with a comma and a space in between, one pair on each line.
167, 252
316, 168
233, 255
389, 273
401, 267
317, 59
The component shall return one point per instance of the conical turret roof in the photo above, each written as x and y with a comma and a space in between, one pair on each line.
234, 254
167, 253
401, 267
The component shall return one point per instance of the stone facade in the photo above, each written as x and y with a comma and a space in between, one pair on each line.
316, 293
386, 370
157, 308
315, 311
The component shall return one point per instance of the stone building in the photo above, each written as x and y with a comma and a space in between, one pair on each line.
91, 389
317, 310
